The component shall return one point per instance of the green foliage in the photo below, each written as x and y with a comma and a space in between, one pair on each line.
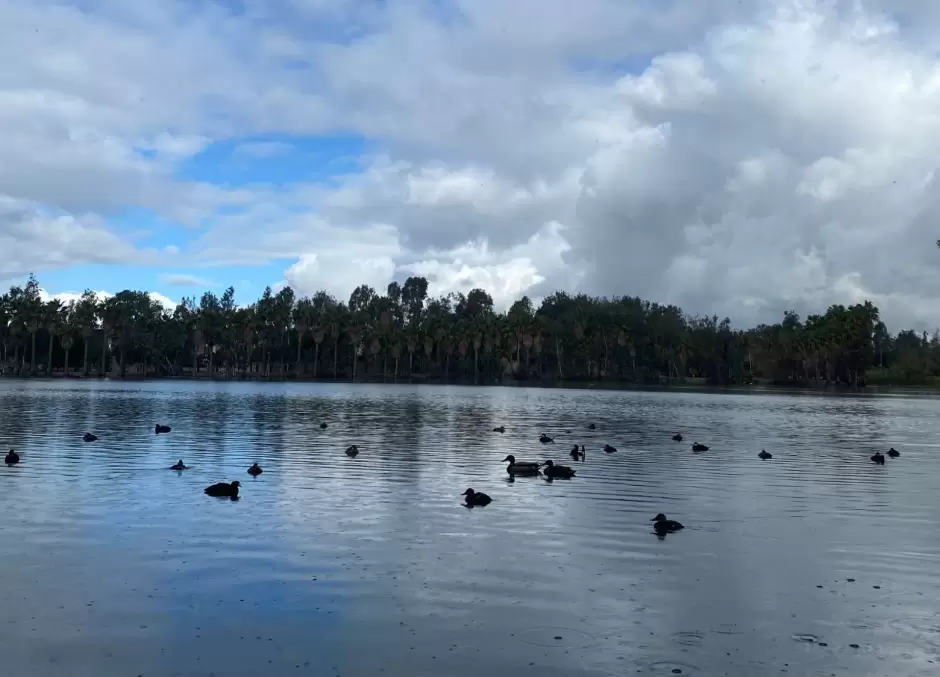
404, 334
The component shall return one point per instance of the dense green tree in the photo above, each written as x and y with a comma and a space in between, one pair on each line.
454, 338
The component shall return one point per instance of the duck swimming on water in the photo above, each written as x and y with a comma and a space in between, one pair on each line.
500, 429
576, 453
352, 451
592, 427
255, 470
893, 453
878, 458
559, 471
664, 526
229, 489
11, 458
88, 437
765, 455
323, 426
677, 437
179, 465
476, 498
609, 449
545, 439
160, 429
699, 447
521, 467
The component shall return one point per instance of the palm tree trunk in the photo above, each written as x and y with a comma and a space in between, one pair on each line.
316, 359
384, 366
85, 359
300, 343
476, 363
211, 362
32, 355
335, 359
104, 348
411, 357
67, 363
49, 358
121, 359
396, 370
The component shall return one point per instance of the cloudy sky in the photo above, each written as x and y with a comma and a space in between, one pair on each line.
734, 157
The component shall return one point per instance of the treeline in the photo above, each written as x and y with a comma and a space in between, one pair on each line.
405, 335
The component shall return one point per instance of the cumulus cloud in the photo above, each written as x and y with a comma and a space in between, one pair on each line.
736, 158
70, 296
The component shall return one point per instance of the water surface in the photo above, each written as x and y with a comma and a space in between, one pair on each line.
114, 565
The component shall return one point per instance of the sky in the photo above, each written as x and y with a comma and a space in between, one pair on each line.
734, 158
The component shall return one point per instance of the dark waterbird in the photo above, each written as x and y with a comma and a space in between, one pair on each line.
88, 437
592, 427
224, 489
765, 455
677, 437
352, 451
576, 453
255, 470
323, 425
699, 447
500, 429
12, 458
179, 465
609, 449
664, 526
878, 458
476, 498
893, 453
521, 467
545, 439
557, 471
160, 429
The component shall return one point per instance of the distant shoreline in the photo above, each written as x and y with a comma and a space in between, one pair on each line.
689, 384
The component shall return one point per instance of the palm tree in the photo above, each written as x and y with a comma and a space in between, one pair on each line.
52, 318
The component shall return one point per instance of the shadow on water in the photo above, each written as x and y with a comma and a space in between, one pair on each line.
113, 564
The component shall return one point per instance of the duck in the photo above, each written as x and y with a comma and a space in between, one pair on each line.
576, 453
500, 429
677, 437
699, 447
878, 458
352, 451
664, 526
765, 455
476, 498
545, 439
561, 471
255, 470
609, 449
893, 453
323, 426
229, 489
179, 465
12, 458
88, 437
521, 468
158, 429
592, 427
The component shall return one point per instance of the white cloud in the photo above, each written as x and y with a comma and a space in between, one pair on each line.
735, 158
70, 296
185, 280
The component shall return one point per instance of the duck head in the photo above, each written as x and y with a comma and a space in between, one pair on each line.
468, 493
659, 518
550, 464
510, 458
236, 484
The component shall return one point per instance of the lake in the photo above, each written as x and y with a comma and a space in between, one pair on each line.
112, 564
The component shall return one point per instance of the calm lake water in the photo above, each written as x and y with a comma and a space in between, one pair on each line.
114, 565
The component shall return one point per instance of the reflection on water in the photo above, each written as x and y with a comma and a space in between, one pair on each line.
112, 564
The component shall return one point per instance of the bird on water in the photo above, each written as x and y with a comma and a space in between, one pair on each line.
893, 453
765, 455
664, 526
12, 458
161, 429
224, 489
88, 437
521, 467
255, 470
559, 471
699, 447
352, 451
878, 458
179, 465
474, 498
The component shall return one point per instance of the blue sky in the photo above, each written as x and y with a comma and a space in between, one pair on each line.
736, 159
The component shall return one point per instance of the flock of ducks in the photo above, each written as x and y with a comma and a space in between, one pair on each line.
472, 498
